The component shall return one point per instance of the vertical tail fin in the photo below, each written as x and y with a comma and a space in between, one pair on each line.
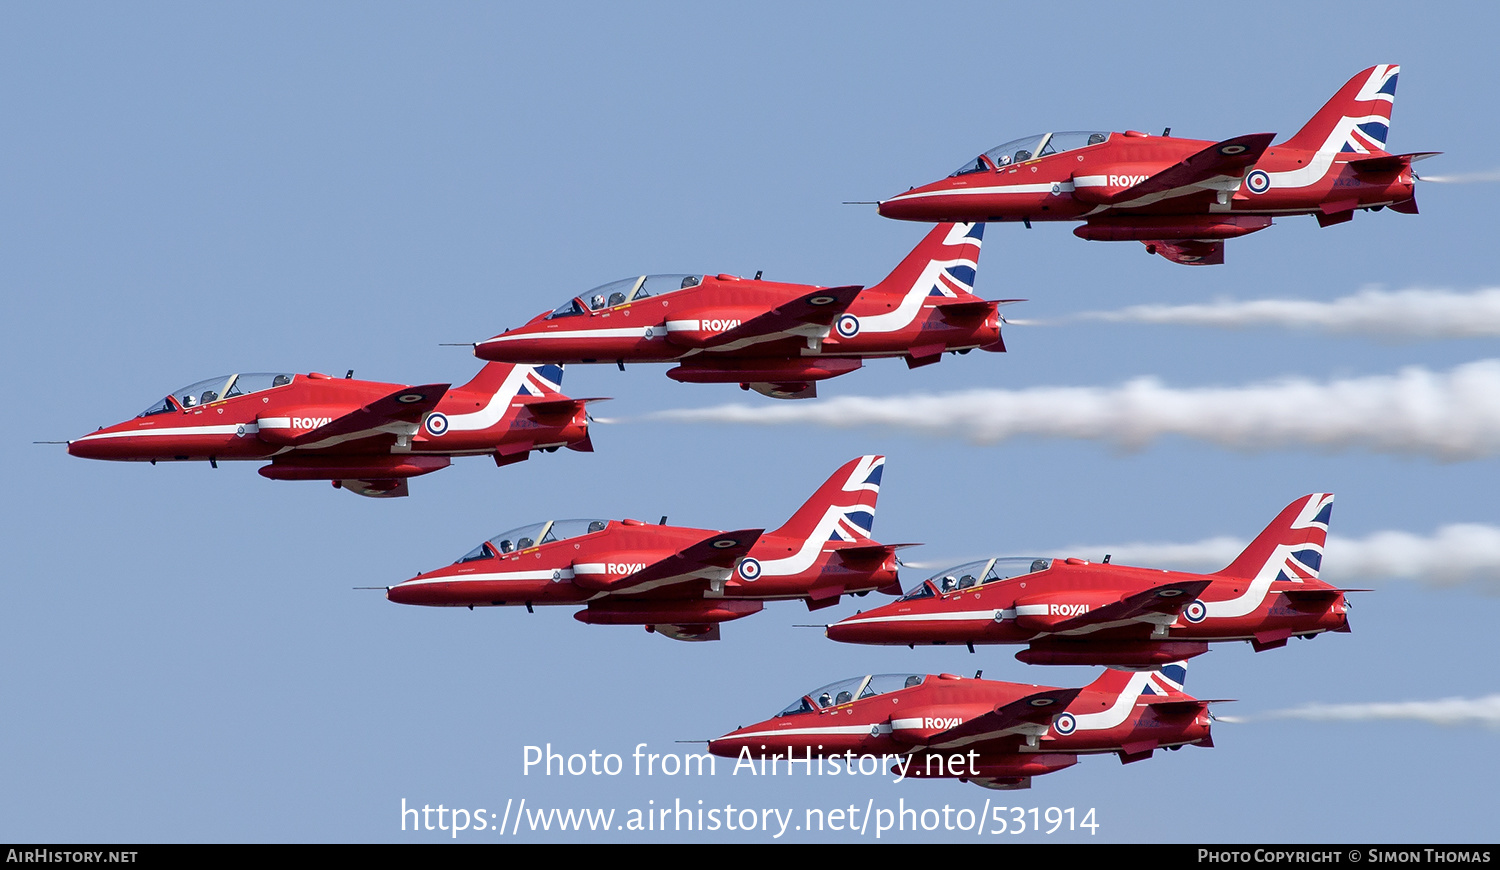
1293, 541
1357, 119
942, 264
1166, 681
533, 380
493, 392
843, 508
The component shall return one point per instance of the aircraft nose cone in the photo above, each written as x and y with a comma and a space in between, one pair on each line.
905, 207
486, 350
401, 593
728, 746
85, 448
841, 632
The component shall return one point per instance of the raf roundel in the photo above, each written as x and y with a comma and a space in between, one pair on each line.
1195, 612
847, 325
822, 300
436, 424
1065, 723
1258, 181
410, 398
749, 569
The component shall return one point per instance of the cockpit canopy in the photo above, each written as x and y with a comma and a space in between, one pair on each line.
221, 387
533, 535
977, 574
626, 290
1031, 148
856, 689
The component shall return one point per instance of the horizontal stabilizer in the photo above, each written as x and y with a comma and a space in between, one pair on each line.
1034, 709
563, 407
1316, 595
1390, 162
1170, 707
1166, 598
867, 553
966, 311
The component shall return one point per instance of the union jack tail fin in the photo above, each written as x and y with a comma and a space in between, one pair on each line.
1167, 681
1291, 544
522, 380
843, 508
1358, 118
943, 264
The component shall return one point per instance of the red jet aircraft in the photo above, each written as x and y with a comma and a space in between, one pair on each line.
1071, 612
1183, 197
778, 339
993, 734
677, 581
366, 437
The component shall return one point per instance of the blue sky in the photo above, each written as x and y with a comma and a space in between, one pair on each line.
192, 190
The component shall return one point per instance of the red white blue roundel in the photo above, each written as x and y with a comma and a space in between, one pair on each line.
1064, 723
436, 424
749, 569
1195, 612
1258, 181
847, 325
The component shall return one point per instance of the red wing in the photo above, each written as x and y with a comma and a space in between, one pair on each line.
406, 405
1166, 598
818, 308
1034, 709
1190, 253
720, 550
1232, 158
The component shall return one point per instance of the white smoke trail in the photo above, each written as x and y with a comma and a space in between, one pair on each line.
1411, 314
1449, 416
1462, 554
1464, 177
1446, 711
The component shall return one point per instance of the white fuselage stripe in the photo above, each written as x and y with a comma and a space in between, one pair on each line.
959, 616
216, 429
